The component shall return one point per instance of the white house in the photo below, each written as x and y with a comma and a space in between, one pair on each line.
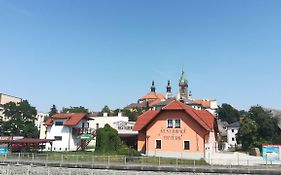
232, 130
70, 132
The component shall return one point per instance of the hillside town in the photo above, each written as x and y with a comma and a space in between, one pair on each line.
174, 125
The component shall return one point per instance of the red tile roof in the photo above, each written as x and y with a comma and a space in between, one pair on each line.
72, 119
153, 96
204, 118
144, 119
204, 103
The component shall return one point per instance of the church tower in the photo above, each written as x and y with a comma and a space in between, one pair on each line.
168, 90
152, 88
183, 87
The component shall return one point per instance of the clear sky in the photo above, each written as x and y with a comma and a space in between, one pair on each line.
92, 53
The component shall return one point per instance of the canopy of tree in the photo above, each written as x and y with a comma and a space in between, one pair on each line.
21, 120
258, 127
71, 109
108, 142
227, 113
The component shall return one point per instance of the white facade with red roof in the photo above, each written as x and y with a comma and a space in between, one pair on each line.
67, 130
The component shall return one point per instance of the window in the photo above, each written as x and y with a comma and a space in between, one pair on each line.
233, 139
58, 123
186, 145
170, 123
158, 144
97, 126
177, 123
58, 137
232, 130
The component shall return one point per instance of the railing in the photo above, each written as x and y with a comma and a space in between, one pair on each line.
89, 158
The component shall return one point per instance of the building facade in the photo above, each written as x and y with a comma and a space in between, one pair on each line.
68, 131
177, 130
232, 130
5, 98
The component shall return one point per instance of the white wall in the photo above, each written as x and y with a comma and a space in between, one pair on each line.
103, 120
68, 142
231, 133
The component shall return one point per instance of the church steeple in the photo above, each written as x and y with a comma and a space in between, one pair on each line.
168, 90
152, 88
183, 86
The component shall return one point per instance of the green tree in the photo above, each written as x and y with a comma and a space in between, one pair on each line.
227, 113
53, 110
71, 109
108, 140
21, 119
247, 134
105, 109
258, 127
133, 114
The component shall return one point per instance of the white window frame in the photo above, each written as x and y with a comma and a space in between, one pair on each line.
175, 123
189, 144
168, 123
156, 143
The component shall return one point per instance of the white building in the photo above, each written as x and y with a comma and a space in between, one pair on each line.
99, 121
70, 132
5, 98
232, 130
121, 123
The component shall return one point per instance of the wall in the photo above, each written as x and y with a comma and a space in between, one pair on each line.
68, 142
231, 135
173, 138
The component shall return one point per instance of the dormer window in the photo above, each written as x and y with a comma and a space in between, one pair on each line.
58, 123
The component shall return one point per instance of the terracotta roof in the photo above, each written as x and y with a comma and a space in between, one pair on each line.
144, 119
204, 118
204, 103
154, 102
72, 119
153, 96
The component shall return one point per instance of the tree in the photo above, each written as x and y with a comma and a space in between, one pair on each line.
247, 134
258, 127
21, 119
105, 109
71, 109
133, 114
108, 140
227, 113
53, 110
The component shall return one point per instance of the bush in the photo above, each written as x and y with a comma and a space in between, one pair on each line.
125, 150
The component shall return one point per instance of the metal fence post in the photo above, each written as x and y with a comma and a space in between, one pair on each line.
177, 163
108, 160
125, 160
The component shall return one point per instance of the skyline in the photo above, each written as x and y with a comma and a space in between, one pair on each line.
96, 53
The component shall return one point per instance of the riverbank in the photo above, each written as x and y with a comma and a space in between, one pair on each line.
147, 169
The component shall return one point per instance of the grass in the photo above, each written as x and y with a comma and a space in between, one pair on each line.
92, 157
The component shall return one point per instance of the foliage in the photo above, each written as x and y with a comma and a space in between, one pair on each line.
105, 109
71, 109
132, 114
258, 127
21, 119
108, 142
53, 110
227, 113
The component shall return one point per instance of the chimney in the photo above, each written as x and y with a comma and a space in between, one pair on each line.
119, 114
105, 114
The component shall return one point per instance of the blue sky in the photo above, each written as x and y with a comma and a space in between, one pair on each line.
93, 53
